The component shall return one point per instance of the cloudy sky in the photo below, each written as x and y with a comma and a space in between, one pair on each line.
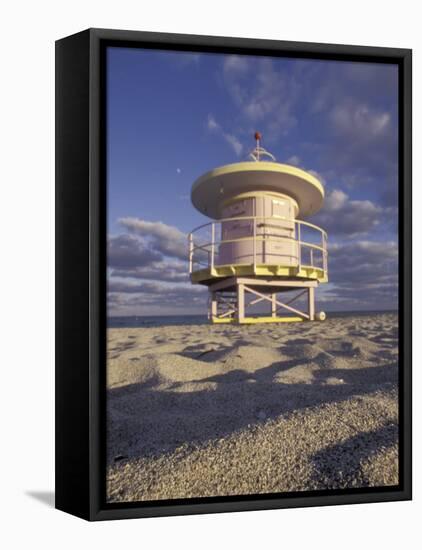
172, 116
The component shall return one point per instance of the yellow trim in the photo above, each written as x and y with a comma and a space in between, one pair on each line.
261, 167
315, 273
257, 320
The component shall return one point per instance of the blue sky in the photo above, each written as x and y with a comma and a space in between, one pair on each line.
173, 115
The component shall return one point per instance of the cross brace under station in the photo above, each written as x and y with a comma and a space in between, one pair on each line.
230, 298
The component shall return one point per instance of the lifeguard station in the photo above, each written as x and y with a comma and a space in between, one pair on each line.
258, 247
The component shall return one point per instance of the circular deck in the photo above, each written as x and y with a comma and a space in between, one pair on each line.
215, 187
208, 275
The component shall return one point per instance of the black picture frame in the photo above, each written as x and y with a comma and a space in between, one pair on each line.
81, 284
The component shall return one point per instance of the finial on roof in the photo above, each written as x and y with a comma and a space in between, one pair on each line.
259, 151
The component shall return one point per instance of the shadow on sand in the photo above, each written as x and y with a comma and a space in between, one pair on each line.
144, 421
340, 465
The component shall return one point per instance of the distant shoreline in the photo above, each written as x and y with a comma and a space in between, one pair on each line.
139, 321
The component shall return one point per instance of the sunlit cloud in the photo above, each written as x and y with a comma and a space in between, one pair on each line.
232, 140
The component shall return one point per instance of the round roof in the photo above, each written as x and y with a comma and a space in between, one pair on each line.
211, 189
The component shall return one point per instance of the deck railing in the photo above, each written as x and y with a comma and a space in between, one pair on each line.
310, 244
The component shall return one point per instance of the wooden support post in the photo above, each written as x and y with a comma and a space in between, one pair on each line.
311, 303
273, 305
240, 302
213, 305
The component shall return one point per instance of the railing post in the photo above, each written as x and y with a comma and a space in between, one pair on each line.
254, 245
299, 243
212, 244
190, 252
324, 236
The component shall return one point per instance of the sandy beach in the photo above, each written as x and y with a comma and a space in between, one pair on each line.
203, 410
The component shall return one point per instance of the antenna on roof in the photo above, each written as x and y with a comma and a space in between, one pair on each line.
259, 151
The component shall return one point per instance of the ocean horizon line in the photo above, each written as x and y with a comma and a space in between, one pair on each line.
135, 321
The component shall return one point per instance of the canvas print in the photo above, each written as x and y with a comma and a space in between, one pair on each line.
252, 275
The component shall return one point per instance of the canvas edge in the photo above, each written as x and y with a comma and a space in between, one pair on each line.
72, 368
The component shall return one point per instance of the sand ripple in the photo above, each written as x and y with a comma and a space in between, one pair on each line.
215, 410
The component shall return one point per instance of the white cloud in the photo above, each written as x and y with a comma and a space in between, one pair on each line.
342, 216
168, 269
212, 124
294, 160
148, 298
193, 58
184, 59
335, 200
235, 143
318, 176
126, 251
166, 239
148, 270
359, 121
363, 274
236, 64
231, 139
264, 96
